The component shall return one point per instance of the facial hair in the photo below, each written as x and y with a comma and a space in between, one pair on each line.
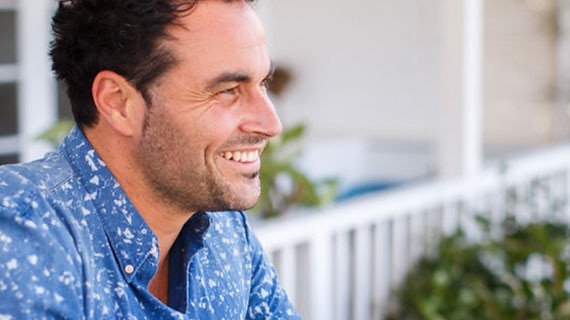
176, 169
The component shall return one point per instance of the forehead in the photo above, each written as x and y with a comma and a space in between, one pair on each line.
217, 27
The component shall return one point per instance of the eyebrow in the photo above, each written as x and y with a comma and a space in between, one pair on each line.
228, 77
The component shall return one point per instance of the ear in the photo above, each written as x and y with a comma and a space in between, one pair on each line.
119, 104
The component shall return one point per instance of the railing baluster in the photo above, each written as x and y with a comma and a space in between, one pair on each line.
288, 271
381, 271
417, 232
362, 272
450, 218
342, 297
320, 257
566, 205
399, 251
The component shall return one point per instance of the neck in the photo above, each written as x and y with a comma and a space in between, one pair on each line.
163, 219
166, 225
158, 285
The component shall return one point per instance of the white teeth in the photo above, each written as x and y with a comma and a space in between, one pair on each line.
241, 156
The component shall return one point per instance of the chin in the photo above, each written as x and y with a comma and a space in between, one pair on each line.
238, 194
247, 204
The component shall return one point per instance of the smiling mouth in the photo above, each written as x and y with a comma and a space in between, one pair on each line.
241, 156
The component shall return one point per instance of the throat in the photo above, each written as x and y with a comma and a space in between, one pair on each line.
158, 285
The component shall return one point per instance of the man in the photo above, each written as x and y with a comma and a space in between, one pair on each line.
128, 219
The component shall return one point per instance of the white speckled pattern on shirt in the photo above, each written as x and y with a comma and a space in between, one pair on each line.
72, 246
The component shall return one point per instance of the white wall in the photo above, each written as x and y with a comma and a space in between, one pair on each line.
371, 68
361, 68
520, 73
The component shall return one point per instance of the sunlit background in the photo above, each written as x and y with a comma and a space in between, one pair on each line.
392, 95
368, 79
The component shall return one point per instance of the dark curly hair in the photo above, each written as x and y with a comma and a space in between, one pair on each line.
123, 36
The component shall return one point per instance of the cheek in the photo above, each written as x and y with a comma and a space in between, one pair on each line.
201, 136
219, 125
205, 129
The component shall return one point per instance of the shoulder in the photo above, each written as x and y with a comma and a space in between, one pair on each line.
21, 184
32, 196
38, 255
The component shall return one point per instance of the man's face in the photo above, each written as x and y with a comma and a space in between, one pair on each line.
209, 116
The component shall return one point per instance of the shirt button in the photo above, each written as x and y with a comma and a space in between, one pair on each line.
153, 250
129, 269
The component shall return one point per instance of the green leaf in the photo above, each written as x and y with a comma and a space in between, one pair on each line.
57, 132
278, 160
293, 133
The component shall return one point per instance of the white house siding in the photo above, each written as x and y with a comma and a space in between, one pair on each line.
519, 72
364, 68
367, 68
371, 68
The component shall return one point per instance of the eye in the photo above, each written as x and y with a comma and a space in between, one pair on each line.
227, 96
231, 91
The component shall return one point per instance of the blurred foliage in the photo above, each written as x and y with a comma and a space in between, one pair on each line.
57, 132
283, 185
522, 273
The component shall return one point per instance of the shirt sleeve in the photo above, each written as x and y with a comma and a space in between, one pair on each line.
38, 276
268, 299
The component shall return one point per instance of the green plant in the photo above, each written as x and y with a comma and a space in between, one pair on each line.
519, 274
283, 185
57, 132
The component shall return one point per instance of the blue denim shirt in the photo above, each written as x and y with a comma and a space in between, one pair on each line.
72, 246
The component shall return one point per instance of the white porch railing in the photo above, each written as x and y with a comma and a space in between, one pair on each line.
342, 262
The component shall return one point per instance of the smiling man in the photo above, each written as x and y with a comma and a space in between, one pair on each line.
138, 214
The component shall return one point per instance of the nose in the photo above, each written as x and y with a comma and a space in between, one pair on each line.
261, 117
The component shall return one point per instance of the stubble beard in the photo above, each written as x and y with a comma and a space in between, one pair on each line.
175, 176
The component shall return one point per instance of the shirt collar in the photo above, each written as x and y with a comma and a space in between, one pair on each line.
129, 235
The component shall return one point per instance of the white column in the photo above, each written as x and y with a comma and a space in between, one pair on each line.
37, 108
460, 143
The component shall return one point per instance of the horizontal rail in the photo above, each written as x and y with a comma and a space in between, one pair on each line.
300, 226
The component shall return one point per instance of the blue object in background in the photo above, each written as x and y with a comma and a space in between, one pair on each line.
365, 188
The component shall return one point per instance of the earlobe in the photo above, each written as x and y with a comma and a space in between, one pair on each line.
117, 102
